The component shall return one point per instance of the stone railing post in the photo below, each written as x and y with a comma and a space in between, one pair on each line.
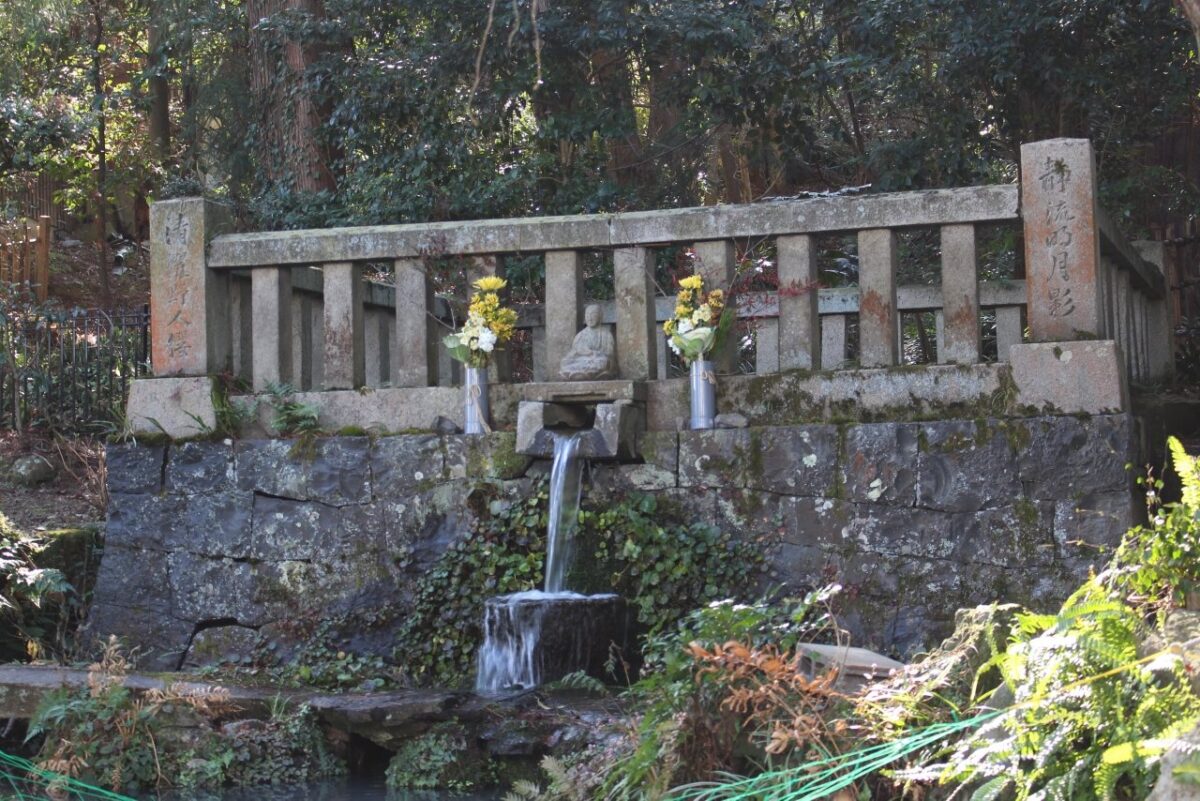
799, 339
414, 356
633, 279
1160, 333
1062, 240
271, 326
345, 345
564, 306
500, 370
189, 303
717, 265
959, 341
878, 318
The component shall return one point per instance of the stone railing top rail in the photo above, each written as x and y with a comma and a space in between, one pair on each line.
1116, 246
975, 204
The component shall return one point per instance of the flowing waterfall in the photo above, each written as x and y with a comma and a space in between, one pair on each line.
566, 484
512, 624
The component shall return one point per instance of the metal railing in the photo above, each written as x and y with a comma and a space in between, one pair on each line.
69, 370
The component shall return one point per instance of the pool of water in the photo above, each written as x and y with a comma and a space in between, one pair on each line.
345, 789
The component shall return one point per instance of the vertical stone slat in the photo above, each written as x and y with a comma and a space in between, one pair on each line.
542, 371
271, 310
414, 355
766, 347
960, 296
1062, 239
799, 332
1008, 330
877, 316
1160, 337
717, 262
345, 351
564, 306
318, 342
633, 279
833, 341
1123, 315
373, 345
501, 368
242, 324
302, 308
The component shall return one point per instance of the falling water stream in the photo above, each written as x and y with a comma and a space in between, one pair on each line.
512, 624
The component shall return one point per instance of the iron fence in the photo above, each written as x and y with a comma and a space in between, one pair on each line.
69, 370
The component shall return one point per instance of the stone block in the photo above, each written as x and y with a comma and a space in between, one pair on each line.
179, 408
1070, 377
133, 468
799, 460
1066, 457
221, 645
196, 467
880, 463
305, 531
216, 524
133, 602
142, 521
1094, 522
205, 589
717, 458
336, 472
405, 463
1019, 537
485, 456
965, 466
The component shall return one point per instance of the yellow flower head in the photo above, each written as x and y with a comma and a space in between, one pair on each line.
669, 327
684, 296
692, 282
490, 283
682, 311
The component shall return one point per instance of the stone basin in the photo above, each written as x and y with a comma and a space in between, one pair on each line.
534, 638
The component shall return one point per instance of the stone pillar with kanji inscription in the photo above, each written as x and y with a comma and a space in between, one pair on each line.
189, 303
1062, 240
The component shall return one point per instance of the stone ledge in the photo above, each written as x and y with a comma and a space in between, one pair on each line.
1071, 377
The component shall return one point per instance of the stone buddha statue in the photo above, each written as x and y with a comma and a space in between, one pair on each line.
591, 357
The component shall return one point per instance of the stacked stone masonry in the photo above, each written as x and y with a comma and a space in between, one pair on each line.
212, 546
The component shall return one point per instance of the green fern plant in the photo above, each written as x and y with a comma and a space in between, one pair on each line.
1087, 719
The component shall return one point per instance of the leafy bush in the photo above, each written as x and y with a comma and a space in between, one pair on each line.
106, 734
723, 691
1159, 564
36, 603
1084, 712
437, 760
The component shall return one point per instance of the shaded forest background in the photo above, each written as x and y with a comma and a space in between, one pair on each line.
306, 113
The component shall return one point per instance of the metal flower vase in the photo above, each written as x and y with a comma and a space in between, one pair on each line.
477, 411
704, 394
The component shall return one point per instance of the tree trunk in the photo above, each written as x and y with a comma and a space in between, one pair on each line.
160, 90
1191, 10
100, 103
289, 141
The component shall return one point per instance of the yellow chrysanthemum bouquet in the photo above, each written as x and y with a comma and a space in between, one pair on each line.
488, 327
701, 320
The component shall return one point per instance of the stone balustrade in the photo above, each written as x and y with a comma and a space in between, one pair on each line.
292, 307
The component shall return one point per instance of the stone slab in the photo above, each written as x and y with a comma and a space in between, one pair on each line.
583, 391
1070, 377
179, 408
